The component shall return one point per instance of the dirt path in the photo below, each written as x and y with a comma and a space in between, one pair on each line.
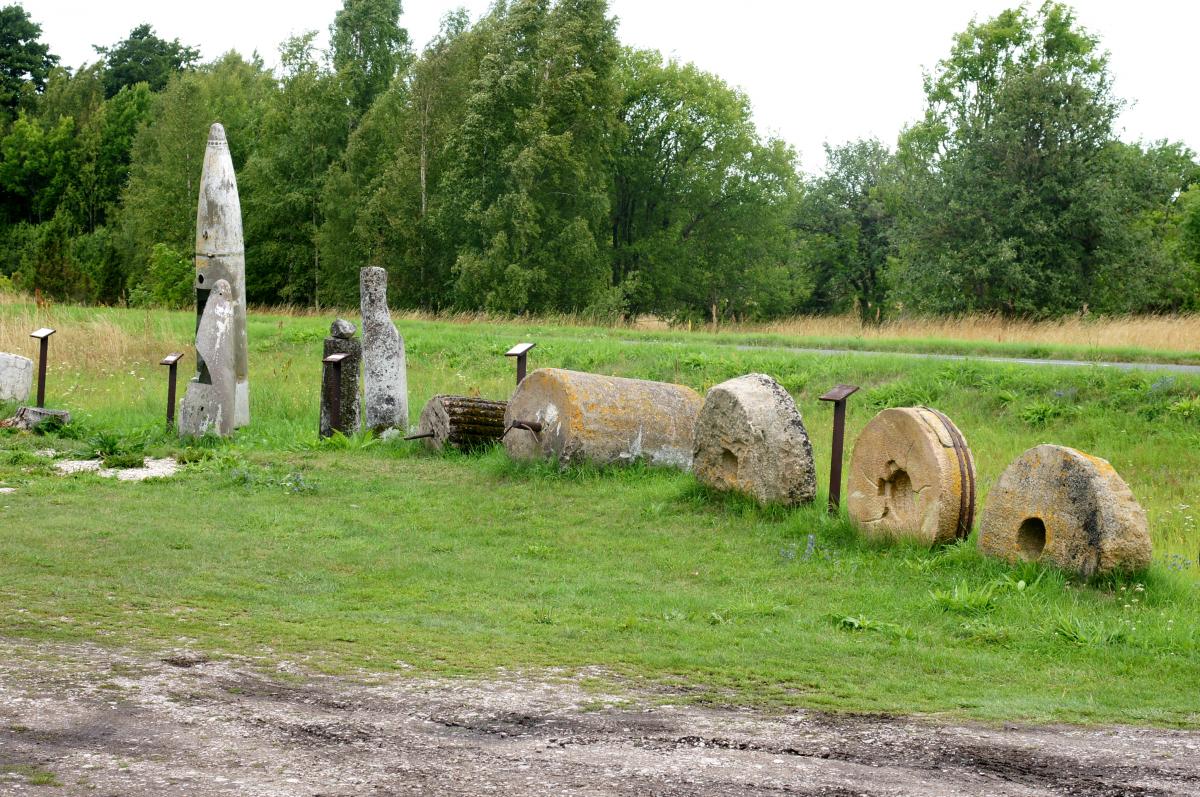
104, 723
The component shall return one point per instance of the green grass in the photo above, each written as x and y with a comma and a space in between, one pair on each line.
354, 553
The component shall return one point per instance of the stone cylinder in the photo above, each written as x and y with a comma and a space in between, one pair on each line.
604, 420
751, 439
461, 422
1061, 506
912, 476
16, 377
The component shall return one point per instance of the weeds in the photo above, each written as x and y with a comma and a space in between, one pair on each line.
965, 599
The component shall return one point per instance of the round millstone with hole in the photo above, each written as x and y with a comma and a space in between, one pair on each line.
1057, 505
751, 439
912, 476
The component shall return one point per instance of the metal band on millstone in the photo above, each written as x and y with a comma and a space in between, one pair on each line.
912, 476
966, 475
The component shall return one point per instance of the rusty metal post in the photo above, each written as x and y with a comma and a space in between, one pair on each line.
172, 363
43, 336
335, 397
838, 396
521, 352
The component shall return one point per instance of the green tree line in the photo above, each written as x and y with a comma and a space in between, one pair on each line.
528, 162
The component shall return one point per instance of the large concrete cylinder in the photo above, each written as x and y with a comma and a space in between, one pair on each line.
582, 417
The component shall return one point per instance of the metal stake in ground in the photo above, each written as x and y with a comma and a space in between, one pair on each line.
172, 363
838, 396
43, 336
335, 395
521, 352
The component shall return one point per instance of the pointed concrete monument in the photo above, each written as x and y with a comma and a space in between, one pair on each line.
209, 405
385, 377
220, 255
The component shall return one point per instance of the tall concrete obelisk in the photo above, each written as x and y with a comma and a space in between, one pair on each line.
221, 255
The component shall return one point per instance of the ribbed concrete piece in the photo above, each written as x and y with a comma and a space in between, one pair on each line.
912, 476
601, 419
221, 255
750, 438
209, 404
1057, 505
16, 377
461, 422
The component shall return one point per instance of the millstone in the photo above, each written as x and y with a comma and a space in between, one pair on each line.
1061, 506
750, 438
912, 476
600, 419
462, 422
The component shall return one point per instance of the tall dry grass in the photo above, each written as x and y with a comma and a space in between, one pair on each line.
1163, 332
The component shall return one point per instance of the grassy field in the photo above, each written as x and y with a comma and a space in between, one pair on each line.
363, 554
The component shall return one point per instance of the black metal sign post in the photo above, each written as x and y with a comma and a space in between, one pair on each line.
43, 336
521, 352
838, 396
172, 363
335, 393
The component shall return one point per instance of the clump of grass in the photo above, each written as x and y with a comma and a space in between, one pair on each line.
985, 632
965, 599
124, 460
1086, 633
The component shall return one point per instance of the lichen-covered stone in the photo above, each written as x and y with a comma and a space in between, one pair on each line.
750, 438
16, 377
348, 402
220, 254
908, 478
461, 422
211, 398
341, 328
385, 379
601, 419
1061, 506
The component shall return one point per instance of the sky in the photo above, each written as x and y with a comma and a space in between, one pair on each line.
815, 72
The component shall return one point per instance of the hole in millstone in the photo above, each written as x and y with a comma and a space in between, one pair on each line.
1031, 538
200, 278
729, 465
896, 490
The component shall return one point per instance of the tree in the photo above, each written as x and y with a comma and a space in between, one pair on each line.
369, 49
142, 57
25, 62
303, 130
844, 223
700, 206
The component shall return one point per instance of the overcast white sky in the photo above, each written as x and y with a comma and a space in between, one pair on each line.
815, 71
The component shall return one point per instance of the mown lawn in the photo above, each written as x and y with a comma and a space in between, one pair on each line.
375, 555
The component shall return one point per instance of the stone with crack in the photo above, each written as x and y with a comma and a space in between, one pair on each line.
912, 476
750, 438
210, 402
1060, 506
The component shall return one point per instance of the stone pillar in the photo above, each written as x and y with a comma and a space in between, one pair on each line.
341, 340
751, 439
220, 255
385, 378
605, 420
16, 377
211, 398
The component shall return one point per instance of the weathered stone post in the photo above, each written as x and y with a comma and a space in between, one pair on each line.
341, 340
385, 379
220, 255
16, 377
209, 404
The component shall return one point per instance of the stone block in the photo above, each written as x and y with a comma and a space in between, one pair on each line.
385, 377
342, 341
750, 438
16, 377
210, 402
1057, 505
